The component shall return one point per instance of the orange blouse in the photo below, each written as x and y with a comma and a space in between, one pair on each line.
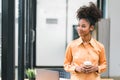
77, 54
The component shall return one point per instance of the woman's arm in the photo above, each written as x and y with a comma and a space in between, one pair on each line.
102, 61
68, 65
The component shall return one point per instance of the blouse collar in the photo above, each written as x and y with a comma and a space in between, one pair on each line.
92, 42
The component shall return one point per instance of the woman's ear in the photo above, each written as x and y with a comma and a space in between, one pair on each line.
91, 28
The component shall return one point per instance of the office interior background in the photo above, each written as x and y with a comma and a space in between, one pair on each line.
35, 33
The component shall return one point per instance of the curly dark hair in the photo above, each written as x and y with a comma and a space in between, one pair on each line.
91, 13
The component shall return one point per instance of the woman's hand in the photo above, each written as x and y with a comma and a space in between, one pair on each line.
90, 69
81, 69
78, 69
86, 69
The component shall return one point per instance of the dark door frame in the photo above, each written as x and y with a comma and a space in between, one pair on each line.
8, 40
27, 27
30, 33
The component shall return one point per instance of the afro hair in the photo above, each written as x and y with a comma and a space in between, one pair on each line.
91, 13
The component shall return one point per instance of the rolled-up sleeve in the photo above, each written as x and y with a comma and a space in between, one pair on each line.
68, 65
102, 61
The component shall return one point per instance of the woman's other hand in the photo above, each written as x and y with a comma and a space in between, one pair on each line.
90, 69
86, 69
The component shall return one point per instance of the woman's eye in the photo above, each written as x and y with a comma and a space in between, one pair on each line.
83, 26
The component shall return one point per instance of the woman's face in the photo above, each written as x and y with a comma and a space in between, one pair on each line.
84, 28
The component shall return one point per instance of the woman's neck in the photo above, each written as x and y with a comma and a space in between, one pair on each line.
86, 39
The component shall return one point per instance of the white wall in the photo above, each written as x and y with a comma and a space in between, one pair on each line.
114, 15
51, 37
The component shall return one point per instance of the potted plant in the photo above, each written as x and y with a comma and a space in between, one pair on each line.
30, 73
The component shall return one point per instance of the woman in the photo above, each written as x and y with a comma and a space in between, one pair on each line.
85, 57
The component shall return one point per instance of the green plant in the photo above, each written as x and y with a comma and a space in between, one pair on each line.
30, 73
